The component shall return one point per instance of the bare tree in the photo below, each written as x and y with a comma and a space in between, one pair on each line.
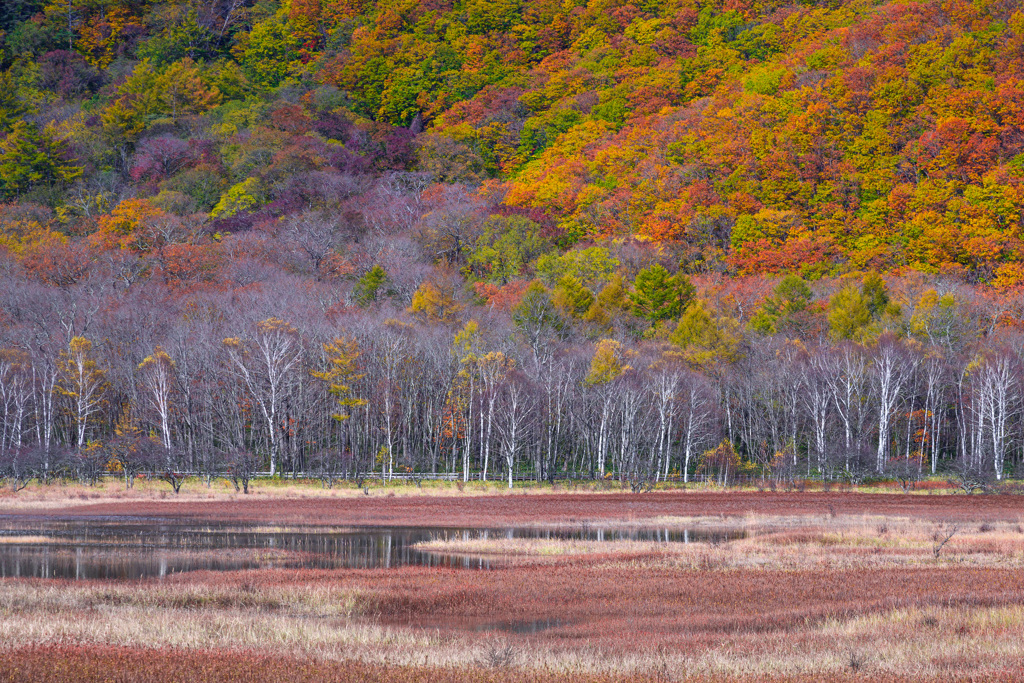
891, 369
314, 235
998, 372
665, 385
156, 374
969, 476
15, 398
844, 369
240, 467
265, 364
818, 402
697, 406
18, 466
517, 405
388, 354
943, 534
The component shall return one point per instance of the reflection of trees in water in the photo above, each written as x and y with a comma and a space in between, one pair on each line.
134, 552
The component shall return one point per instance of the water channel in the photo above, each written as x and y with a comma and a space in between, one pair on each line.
134, 549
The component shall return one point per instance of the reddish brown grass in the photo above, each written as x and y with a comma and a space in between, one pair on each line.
621, 608
102, 664
625, 609
455, 510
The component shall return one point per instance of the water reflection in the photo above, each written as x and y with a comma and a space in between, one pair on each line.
528, 627
126, 550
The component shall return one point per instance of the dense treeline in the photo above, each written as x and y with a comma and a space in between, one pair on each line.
274, 371
748, 137
488, 237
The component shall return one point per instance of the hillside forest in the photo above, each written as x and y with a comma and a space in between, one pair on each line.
609, 238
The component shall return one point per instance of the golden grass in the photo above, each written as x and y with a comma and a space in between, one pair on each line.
538, 549
229, 621
112, 490
299, 599
15, 540
49, 496
926, 644
311, 620
776, 543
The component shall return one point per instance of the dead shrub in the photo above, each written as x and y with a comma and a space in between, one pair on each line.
856, 661
499, 654
942, 536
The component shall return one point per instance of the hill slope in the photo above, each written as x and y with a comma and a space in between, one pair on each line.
744, 137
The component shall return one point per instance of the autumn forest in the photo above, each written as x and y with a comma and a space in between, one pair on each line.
512, 239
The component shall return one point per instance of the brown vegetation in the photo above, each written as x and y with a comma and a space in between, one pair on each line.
88, 664
545, 507
855, 592
94, 664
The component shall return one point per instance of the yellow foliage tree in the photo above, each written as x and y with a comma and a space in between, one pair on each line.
84, 383
183, 91
341, 373
606, 365
128, 224
706, 339
435, 303
99, 37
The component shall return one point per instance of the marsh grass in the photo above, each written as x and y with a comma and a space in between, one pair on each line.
534, 550
813, 597
918, 643
197, 489
296, 599
773, 543
313, 620
26, 538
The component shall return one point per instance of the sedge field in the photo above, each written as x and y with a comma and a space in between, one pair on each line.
813, 585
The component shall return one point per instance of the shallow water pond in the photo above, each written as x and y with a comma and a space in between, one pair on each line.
132, 549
